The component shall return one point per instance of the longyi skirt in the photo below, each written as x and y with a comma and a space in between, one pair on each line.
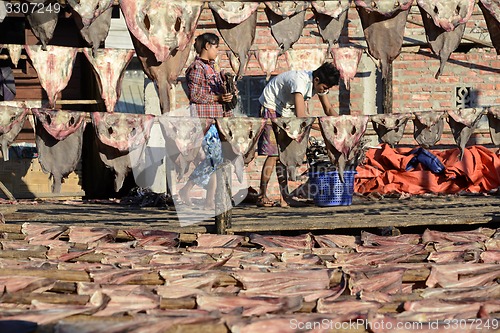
267, 145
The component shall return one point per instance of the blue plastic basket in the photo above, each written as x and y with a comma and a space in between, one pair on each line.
328, 190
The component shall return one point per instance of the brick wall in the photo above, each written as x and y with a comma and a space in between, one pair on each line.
414, 85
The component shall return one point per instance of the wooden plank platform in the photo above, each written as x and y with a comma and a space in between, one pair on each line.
415, 211
61, 268
363, 213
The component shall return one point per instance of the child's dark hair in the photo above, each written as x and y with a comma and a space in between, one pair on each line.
327, 74
203, 39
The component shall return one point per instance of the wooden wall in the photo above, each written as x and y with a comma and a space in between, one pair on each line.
24, 177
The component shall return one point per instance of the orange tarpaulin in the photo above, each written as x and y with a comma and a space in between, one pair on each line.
385, 172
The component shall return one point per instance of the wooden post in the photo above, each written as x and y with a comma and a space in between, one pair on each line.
388, 91
223, 205
6, 191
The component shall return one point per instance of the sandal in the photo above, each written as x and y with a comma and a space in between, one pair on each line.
266, 202
178, 201
290, 202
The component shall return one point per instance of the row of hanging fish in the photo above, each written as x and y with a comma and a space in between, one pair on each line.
429, 125
162, 31
54, 66
121, 139
59, 137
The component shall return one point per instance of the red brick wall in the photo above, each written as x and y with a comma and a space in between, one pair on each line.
414, 85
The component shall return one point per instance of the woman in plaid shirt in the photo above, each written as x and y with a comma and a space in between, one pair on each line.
206, 96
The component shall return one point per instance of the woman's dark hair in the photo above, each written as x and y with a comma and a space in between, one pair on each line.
327, 74
203, 39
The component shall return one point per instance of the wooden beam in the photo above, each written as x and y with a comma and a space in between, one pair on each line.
6, 56
223, 205
78, 101
66, 275
6, 191
387, 104
52, 298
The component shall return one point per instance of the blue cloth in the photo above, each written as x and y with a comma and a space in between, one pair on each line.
427, 159
25, 151
212, 147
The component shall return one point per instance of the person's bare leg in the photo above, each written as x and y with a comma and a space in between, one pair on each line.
283, 183
267, 171
210, 198
184, 193
286, 198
